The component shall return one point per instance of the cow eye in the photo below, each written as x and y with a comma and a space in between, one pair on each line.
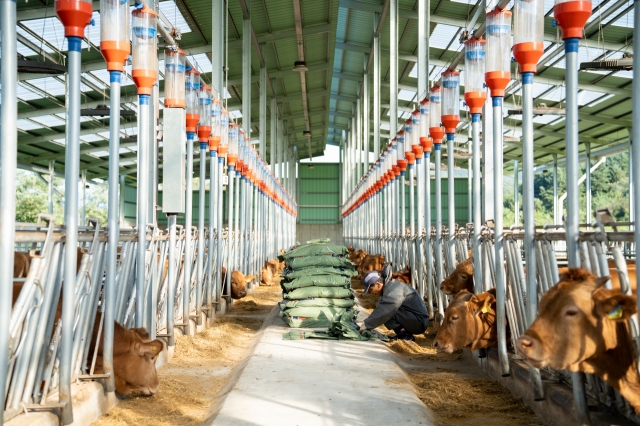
464, 277
571, 312
454, 317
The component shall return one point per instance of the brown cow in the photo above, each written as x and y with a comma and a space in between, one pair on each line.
268, 272
238, 283
581, 327
469, 322
460, 279
371, 262
357, 257
20, 264
134, 359
403, 277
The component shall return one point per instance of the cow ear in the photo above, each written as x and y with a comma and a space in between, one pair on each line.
248, 278
614, 306
478, 305
601, 281
142, 332
150, 348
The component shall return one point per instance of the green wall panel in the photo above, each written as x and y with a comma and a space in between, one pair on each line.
319, 194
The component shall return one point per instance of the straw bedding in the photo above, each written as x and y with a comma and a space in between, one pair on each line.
456, 399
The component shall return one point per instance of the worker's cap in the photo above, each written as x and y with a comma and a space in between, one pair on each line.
387, 271
370, 279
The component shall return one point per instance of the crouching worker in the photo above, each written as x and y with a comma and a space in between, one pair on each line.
400, 308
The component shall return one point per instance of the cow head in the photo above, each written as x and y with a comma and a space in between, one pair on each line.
576, 319
350, 249
460, 279
469, 322
134, 361
239, 284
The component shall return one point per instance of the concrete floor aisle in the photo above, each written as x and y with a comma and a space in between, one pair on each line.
318, 382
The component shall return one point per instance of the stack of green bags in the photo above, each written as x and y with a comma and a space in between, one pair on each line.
316, 285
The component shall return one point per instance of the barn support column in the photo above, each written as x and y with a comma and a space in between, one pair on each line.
556, 207
8, 171
376, 87
587, 172
635, 134
516, 194
263, 106
365, 117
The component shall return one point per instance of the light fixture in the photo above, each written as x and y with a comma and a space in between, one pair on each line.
103, 111
37, 67
310, 166
306, 133
300, 66
608, 64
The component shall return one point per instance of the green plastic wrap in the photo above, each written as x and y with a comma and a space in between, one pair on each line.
316, 281
328, 292
318, 301
327, 270
314, 250
318, 261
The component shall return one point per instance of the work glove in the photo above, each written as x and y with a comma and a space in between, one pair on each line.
363, 328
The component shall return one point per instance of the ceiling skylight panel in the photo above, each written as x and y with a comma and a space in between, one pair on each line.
27, 125
51, 85
600, 100
51, 30
24, 50
235, 114
586, 97
48, 120
625, 20
406, 95
91, 138
540, 88
201, 62
100, 153
444, 34
544, 119
548, 5
414, 71
174, 16
26, 94
557, 94
92, 32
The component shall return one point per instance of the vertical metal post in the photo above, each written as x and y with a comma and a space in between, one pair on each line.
635, 133
587, 172
83, 182
218, 45
263, 106
393, 67
376, 88
528, 214
230, 192
438, 244
153, 161
219, 203
451, 193
572, 154
8, 171
365, 114
201, 205
213, 201
516, 194
359, 156
51, 184
477, 202
188, 222
498, 237
112, 226
273, 135
72, 164
121, 199
144, 110
246, 71
556, 205
171, 286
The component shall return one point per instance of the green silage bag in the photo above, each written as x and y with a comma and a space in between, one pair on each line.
314, 312
314, 250
316, 281
305, 322
327, 270
317, 261
318, 302
325, 292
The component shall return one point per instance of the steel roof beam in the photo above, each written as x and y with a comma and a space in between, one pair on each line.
34, 140
34, 159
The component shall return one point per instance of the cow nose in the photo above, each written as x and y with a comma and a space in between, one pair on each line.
435, 343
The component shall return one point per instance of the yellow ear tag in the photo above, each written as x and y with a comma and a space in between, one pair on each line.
486, 309
153, 348
616, 313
